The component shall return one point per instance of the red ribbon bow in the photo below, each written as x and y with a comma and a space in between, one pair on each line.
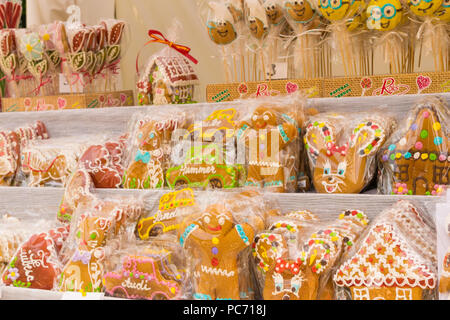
159, 37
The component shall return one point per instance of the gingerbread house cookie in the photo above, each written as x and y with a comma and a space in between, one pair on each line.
387, 265
167, 80
416, 161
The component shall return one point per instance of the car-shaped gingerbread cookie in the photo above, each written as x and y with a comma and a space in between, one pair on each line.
204, 167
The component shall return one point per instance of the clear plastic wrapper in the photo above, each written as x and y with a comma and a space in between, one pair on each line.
11, 144
150, 148
150, 271
270, 133
342, 148
36, 261
168, 77
167, 214
105, 162
97, 229
295, 256
394, 260
50, 162
415, 160
216, 242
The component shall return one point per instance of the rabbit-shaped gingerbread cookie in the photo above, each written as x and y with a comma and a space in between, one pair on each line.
350, 167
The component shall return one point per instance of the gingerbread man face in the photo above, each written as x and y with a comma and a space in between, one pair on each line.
263, 117
216, 220
300, 10
347, 168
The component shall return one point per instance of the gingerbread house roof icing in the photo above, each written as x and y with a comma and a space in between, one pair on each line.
177, 69
385, 259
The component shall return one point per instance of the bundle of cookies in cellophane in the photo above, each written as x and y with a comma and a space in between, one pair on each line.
12, 144
294, 257
395, 258
37, 60
314, 36
255, 143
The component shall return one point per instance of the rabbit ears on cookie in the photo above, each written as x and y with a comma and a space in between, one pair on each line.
321, 137
270, 251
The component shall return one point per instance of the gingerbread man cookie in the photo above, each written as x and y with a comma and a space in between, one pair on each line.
417, 162
346, 168
266, 136
215, 241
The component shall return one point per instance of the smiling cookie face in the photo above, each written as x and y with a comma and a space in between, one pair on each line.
300, 10
257, 28
424, 7
274, 12
443, 12
384, 15
334, 10
216, 220
262, 118
331, 176
221, 32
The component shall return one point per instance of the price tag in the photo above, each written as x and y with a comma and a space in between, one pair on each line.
277, 71
82, 296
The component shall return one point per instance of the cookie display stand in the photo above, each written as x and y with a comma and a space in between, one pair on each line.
114, 121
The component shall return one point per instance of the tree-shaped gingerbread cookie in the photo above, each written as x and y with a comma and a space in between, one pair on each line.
214, 240
416, 159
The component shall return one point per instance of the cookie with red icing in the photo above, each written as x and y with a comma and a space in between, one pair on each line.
36, 264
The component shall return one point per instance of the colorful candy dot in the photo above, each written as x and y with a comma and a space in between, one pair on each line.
417, 155
215, 240
426, 114
398, 155
414, 126
436, 126
433, 156
438, 141
214, 250
392, 147
385, 157
419, 145
424, 134
442, 157
392, 157
424, 156
408, 155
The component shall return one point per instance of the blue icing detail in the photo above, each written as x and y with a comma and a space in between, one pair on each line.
283, 134
392, 147
241, 233
241, 130
408, 155
273, 183
202, 296
186, 232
